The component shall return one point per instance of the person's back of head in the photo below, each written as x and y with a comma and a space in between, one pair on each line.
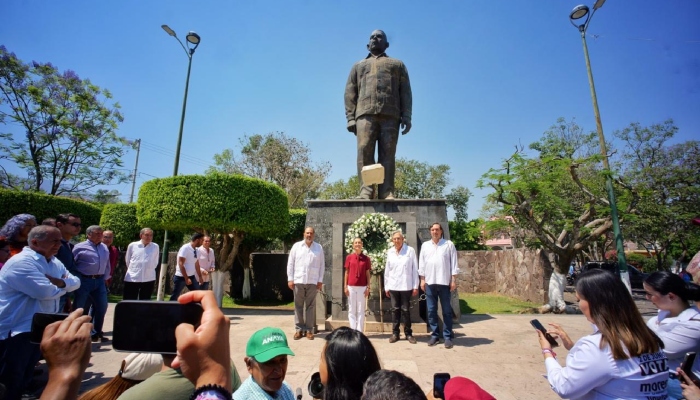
135, 368
349, 359
391, 385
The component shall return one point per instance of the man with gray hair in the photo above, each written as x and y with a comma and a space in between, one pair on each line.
30, 282
401, 283
92, 264
141, 262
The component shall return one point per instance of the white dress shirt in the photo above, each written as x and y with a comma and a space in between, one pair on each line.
401, 272
207, 261
141, 262
306, 264
680, 334
438, 262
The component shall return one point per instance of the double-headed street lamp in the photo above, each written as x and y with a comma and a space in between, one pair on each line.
193, 40
579, 13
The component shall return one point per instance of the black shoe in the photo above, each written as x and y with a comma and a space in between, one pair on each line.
95, 338
393, 339
411, 339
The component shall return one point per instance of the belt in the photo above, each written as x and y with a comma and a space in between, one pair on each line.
93, 276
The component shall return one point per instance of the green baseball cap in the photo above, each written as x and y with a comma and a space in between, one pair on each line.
266, 344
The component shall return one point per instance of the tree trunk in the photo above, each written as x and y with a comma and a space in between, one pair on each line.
246, 283
217, 286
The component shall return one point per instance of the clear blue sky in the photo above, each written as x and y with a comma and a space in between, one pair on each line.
486, 75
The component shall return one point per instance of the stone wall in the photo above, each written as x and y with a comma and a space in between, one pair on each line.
520, 273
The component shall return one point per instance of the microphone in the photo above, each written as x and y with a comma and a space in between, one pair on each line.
299, 395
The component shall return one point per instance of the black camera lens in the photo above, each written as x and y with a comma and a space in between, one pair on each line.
315, 386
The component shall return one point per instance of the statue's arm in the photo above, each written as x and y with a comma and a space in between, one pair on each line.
406, 100
351, 95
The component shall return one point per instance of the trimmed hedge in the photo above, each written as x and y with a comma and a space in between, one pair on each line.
297, 223
219, 203
43, 206
121, 218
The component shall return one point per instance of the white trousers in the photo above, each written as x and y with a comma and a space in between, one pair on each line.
356, 307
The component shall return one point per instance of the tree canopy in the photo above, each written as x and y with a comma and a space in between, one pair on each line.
64, 129
277, 158
666, 175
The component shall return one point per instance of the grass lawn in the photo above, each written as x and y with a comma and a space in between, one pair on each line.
228, 302
493, 303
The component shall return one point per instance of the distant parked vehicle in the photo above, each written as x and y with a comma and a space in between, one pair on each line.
637, 277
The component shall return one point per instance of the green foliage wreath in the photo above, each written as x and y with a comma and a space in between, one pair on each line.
375, 230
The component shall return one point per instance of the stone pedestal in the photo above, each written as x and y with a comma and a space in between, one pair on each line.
331, 219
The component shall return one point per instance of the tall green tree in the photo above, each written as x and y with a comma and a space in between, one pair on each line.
63, 129
667, 178
420, 180
557, 195
277, 158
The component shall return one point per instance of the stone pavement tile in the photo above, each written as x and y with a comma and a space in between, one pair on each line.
499, 352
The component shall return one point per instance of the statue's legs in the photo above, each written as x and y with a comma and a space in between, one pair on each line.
367, 133
388, 138
370, 130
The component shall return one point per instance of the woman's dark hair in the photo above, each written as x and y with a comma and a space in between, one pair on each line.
666, 282
613, 311
350, 360
390, 385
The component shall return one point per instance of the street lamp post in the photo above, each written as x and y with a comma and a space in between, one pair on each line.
576, 14
192, 39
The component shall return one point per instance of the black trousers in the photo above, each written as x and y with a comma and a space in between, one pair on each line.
138, 290
400, 303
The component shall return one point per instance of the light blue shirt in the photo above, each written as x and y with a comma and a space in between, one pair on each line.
25, 290
250, 390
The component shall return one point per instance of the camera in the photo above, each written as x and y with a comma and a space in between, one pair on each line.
315, 386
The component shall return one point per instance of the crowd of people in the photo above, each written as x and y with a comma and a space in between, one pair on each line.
43, 272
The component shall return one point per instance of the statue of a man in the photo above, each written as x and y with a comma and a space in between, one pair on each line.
378, 100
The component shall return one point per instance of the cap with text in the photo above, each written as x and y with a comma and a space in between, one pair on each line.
266, 344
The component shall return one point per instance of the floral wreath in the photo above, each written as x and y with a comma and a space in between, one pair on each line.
375, 230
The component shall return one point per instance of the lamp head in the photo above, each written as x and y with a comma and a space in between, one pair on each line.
193, 38
579, 12
598, 4
167, 29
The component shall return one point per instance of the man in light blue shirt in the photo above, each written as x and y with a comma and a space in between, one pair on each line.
30, 282
92, 264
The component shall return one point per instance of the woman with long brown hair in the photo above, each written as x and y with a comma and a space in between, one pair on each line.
622, 359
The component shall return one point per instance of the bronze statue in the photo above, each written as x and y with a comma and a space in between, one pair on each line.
378, 100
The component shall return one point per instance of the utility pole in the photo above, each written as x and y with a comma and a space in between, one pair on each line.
137, 142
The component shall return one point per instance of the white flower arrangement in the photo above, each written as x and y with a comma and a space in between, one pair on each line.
375, 230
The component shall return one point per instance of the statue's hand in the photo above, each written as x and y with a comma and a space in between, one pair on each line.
406, 125
352, 127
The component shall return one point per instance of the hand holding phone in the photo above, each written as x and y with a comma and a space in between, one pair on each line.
149, 326
687, 368
537, 325
39, 323
439, 381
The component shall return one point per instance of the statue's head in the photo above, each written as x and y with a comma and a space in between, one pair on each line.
377, 42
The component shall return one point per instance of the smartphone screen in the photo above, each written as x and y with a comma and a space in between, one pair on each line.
439, 381
40, 321
537, 325
149, 326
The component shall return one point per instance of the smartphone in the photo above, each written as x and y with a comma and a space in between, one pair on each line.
687, 367
537, 325
149, 326
40, 321
439, 381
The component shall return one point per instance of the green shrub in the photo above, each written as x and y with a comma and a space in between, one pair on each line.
297, 223
218, 203
121, 218
44, 206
